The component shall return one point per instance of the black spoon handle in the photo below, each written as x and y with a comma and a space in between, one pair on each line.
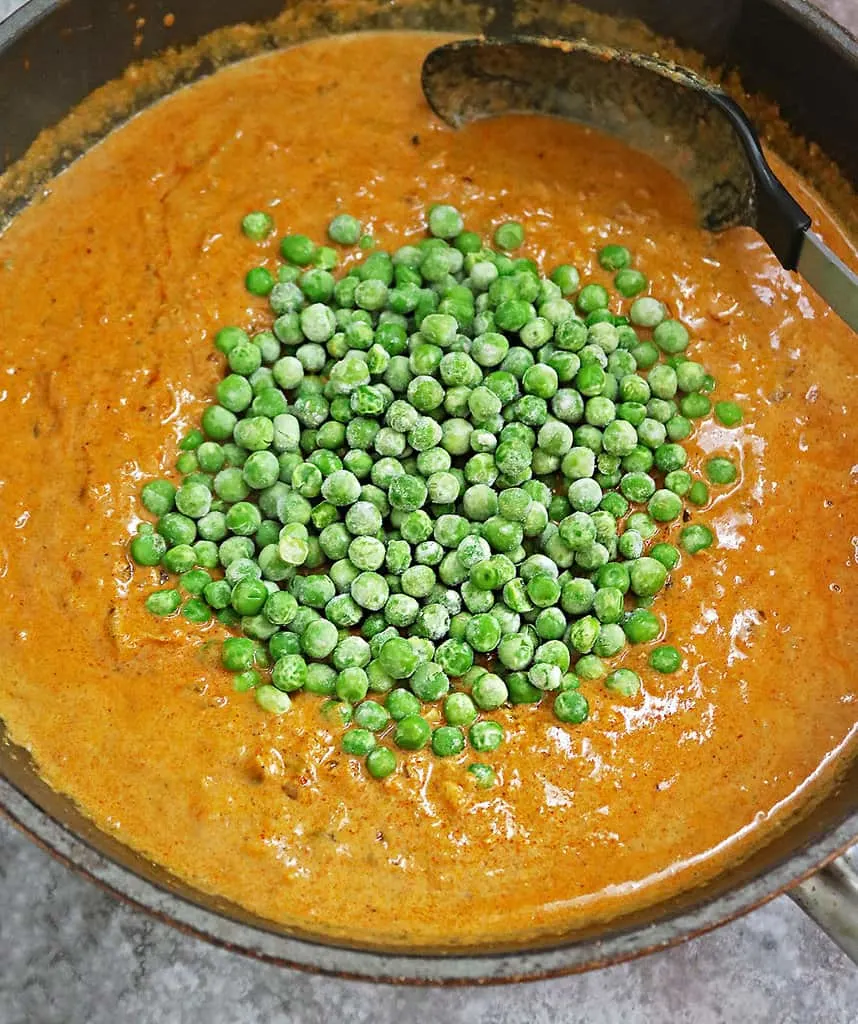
779, 218
786, 227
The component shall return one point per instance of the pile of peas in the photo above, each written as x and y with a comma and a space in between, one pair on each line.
435, 487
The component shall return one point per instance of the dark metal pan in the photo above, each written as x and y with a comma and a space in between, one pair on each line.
53, 54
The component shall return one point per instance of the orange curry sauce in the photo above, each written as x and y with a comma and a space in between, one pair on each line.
112, 289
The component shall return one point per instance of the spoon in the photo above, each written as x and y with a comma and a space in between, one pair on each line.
691, 127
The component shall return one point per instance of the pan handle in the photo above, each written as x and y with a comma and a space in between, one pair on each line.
830, 897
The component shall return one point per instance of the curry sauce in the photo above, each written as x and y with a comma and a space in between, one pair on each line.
112, 288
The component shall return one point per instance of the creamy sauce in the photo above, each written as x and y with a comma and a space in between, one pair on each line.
112, 289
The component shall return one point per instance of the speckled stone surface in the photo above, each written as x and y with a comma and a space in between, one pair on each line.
69, 954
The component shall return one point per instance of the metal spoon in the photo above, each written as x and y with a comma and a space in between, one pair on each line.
688, 125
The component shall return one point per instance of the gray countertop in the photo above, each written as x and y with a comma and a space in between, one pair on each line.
69, 954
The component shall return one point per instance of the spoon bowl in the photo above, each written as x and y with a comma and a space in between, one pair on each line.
688, 125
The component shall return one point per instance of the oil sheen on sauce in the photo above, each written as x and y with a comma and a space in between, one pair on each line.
112, 289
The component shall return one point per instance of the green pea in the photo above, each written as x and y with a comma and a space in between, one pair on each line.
719, 471
665, 506
218, 423
218, 594
592, 297
521, 690
358, 742
695, 406
667, 554
690, 376
158, 497
624, 682
647, 312
483, 633
484, 775
259, 281
245, 681
297, 249
459, 709
641, 626
509, 236
238, 654
412, 732
629, 282
194, 581
485, 736
381, 762
445, 221
447, 741
401, 703
671, 336
489, 692
429, 682
369, 714
148, 548
728, 414
195, 610
289, 673
695, 538
193, 500
257, 225
397, 658
614, 257
678, 428
163, 602
344, 230
571, 706
270, 699
647, 576
665, 659
699, 493
228, 337
590, 667
180, 559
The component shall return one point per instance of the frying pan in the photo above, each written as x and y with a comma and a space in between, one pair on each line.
53, 54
